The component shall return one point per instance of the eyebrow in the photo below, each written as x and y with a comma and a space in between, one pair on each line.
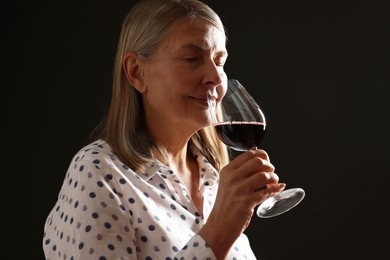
203, 48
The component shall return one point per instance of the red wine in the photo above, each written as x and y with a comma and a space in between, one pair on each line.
241, 136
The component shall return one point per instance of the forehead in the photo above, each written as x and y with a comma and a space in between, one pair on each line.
197, 33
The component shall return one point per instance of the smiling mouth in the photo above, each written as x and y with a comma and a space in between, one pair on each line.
207, 97
201, 100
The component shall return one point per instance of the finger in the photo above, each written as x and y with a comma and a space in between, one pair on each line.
262, 153
271, 189
262, 180
263, 194
255, 165
256, 182
275, 188
242, 158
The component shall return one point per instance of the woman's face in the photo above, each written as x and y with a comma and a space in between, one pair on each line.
186, 67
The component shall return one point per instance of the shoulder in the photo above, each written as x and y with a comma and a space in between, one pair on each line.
93, 150
96, 156
98, 153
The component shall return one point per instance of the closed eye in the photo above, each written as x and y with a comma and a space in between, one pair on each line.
192, 59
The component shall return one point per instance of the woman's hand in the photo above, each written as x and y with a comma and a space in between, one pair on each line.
240, 191
239, 185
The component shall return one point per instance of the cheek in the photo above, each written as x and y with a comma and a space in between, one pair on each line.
166, 102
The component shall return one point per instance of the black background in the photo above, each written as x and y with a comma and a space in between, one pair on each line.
319, 69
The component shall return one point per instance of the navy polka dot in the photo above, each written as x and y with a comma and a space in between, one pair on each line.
105, 210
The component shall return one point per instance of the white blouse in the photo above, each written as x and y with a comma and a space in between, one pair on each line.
107, 211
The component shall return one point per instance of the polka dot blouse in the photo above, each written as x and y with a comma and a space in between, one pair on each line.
107, 211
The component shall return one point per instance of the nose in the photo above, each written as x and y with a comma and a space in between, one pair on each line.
214, 74
217, 89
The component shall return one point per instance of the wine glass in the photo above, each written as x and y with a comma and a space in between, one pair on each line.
241, 126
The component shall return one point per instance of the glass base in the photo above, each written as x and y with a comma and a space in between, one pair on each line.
280, 203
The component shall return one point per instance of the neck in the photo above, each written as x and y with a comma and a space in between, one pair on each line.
183, 163
173, 157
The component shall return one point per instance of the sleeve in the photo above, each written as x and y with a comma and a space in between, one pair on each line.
89, 220
196, 248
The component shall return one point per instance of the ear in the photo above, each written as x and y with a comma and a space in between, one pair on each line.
132, 68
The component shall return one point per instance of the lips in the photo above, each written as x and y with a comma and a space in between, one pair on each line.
200, 100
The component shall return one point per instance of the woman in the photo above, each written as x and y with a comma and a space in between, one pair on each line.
156, 183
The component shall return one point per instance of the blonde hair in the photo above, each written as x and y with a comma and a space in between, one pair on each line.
145, 26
